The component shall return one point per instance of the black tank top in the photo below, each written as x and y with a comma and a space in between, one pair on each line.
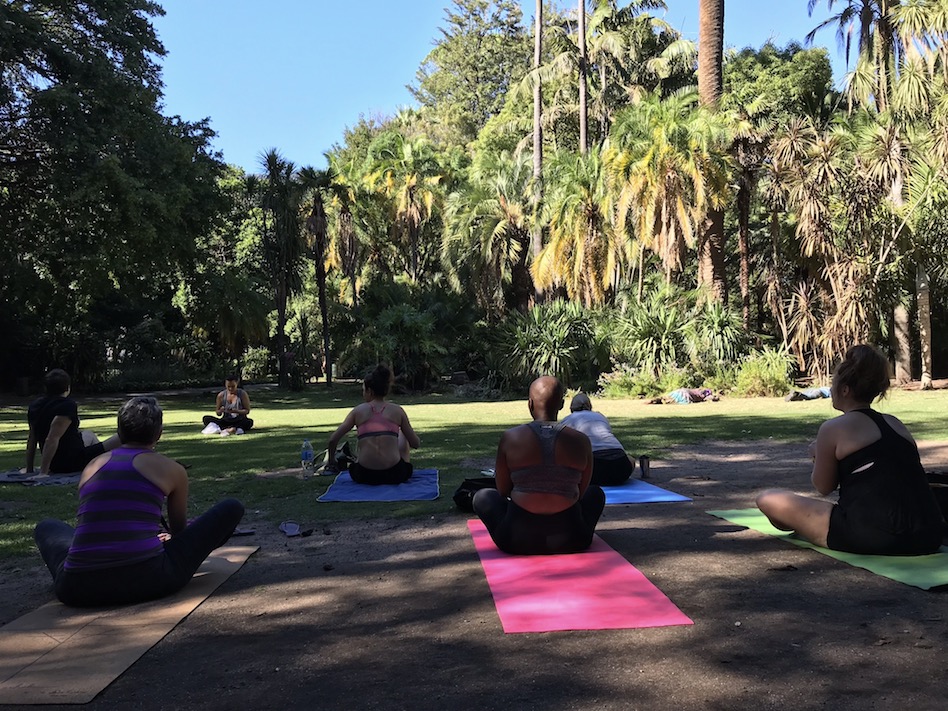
885, 483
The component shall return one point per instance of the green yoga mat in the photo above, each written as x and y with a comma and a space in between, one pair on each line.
920, 571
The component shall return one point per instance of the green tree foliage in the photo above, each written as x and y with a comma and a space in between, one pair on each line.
223, 296
558, 338
670, 164
99, 193
420, 330
776, 84
486, 242
585, 252
280, 194
407, 171
463, 81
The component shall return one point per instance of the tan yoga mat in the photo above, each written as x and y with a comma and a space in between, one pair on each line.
65, 655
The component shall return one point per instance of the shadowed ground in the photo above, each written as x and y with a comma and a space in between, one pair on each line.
396, 614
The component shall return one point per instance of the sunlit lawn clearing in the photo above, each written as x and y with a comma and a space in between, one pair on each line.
458, 438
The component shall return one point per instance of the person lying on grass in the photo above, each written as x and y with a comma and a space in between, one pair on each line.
544, 502
385, 435
886, 506
117, 553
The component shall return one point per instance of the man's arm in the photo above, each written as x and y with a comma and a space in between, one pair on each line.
30, 451
219, 407
502, 469
57, 429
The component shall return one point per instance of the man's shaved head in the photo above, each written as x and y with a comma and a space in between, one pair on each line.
546, 398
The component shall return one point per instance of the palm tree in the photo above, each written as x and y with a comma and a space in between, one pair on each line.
281, 237
901, 71
710, 82
620, 55
752, 135
537, 238
407, 171
315, 184
584, 253
487, 233
347, 195
669, 162
878, 46
581, 40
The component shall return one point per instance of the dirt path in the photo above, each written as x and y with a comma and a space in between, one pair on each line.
397, 615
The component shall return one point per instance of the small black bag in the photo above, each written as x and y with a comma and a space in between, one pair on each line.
464, 495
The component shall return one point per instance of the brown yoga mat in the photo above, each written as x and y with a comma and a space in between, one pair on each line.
64, 655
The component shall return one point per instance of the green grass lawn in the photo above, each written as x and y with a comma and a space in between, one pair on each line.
451, 431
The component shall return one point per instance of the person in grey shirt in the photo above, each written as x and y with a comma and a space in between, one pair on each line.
611, 465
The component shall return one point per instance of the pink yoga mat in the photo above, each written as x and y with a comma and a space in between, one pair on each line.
597, 589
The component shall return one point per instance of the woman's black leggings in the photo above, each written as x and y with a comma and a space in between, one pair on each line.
151, 579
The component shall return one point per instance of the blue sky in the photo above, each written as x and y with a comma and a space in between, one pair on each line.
292, 74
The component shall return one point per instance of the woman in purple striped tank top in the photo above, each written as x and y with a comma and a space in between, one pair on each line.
117, 553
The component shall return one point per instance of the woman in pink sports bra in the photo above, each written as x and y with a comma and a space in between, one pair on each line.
385, 434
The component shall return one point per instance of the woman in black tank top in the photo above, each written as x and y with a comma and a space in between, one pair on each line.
885, 505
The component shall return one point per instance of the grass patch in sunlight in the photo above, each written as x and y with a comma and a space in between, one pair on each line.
458, 437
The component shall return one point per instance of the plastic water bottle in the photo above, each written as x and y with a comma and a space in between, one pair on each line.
307, 459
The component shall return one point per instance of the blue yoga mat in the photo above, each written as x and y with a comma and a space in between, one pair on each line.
636, 491
423, 486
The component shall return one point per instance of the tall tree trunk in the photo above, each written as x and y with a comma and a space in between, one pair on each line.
710, 81
604, 110
537, 131
901, 344
923, 299
522, 289
318, 228
283, 374
583, 115
743, 220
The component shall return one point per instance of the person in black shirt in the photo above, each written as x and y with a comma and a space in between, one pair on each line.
54, 428
886, 506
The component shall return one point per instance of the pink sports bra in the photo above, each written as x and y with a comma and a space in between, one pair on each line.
377, 424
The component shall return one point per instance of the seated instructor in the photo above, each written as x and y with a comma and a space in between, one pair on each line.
54, 427
232, 408
544, 502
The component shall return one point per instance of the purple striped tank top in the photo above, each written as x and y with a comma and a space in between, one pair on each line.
119, 517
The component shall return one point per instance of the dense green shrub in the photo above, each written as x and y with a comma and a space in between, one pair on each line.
421, 331
650, 335
722, 379
680, 339
628, 382
258, 364
715, 338
559, 338
765, 373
